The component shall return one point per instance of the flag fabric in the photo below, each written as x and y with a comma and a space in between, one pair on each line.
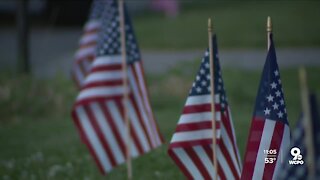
269, 133
99, 108
191, 144
300, 171
88, 42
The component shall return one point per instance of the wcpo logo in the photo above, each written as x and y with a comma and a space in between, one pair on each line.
297, 157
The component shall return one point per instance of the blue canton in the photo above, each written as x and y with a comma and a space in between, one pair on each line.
110, 39
97, 8
201, 85
270, 102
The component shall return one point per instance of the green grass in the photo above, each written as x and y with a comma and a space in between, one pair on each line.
38, 139
238, 25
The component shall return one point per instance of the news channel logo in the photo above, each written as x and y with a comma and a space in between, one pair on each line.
297, 158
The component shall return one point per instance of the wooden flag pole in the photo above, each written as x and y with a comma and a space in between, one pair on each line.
212, 100
305, 99
125, 85
269, 30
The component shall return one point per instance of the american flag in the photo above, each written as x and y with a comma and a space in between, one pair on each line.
99, 109
191, 144
88, 42
269, 127
292, 171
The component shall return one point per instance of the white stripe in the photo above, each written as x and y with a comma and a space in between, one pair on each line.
145, 118
117, 119
192, 135
205, 159
264, 145
88, 51
283, 148
107, 132
88, 38
93, 139
107, 60
137, 127
196, 100
227, 142
100, 92
195, 117
78, 74
104, 76
187, 162
92, 24
147, 104
224, 165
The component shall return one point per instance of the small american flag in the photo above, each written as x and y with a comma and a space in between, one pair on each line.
99, 109
88, 42
269, 127
191, 144
298, 171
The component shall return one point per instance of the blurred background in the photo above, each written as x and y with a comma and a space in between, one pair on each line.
38, 139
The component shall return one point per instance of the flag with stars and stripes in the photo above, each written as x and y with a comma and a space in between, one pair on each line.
269, 130
294, 171
88, 42
191, 144
99, 108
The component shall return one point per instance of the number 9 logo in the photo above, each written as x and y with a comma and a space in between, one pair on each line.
295, 152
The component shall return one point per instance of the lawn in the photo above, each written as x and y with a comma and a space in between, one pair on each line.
39, 141
239, 24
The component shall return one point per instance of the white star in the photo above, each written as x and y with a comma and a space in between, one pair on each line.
209, 88
279, 81
278, 93
270, 98
275, 106
273, 85
266, 111
282, 102
207, 65
207, 53
198, 78
198, 89
202, 71
220, 80
276, 73
280, 114
193, 84
208, 77
203, 83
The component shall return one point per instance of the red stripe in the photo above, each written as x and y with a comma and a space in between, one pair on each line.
186, 144
89, 31
88, 57
100, 135
227, 156
106, 68
97, 99
155, 123
89, 44
102, 84
179, 164
198, 163
132, 130
274, 144
138, 113
114, 129
227, 123
209, 152
253, 144
199, 108
196, 126
141, 97
86, 141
